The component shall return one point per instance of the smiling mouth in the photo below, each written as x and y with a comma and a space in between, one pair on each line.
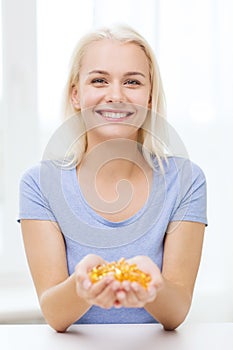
114, 115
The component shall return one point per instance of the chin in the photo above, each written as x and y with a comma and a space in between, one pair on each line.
116, 131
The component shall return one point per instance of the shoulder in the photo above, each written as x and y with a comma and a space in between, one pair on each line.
46, 177
186, 185
34, 175
42, 167
181, 175
181, 166
31, 175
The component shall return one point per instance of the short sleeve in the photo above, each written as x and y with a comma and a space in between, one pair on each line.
192, 203
32, 203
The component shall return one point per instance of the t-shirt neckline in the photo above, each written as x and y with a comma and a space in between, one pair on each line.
103, 220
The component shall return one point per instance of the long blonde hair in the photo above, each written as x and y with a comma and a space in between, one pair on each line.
154, 125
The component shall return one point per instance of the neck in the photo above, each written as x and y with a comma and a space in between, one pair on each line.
114, 159
102, 170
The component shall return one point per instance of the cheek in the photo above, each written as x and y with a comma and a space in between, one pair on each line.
89, 97
141, 98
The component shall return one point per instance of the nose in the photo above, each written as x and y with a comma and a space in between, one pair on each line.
115, 93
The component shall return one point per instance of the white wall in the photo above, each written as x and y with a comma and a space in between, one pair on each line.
19, 120
192, 41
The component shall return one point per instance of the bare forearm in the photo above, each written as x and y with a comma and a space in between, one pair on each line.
62, 306
170, 306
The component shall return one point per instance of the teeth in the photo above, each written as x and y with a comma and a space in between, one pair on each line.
114, 115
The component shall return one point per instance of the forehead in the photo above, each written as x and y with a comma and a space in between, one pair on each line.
113, 55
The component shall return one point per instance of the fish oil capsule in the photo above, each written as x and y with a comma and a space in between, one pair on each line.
122, 271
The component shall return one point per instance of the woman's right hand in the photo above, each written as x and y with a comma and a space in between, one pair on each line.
101, 293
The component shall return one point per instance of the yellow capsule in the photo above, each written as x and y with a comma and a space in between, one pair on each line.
122, 271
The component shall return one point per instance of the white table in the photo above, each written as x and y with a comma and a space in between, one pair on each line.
205, 336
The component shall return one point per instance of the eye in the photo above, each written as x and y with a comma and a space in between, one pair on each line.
99, 81
133, 82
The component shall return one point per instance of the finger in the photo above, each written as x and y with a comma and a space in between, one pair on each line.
126, 285
97, 288
139, 291
158, 283
144, 294
138, 296
120, 300
87, 263
82, 270
83, 284
88, 290
128, 299
117, 287
106, 298
152, 293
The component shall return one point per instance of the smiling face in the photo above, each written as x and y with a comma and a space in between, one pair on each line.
113, 91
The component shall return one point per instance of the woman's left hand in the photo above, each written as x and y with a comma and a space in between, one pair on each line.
132, 294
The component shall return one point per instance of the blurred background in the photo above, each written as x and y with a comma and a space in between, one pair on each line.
192, 40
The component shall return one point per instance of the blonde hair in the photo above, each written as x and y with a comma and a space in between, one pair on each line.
154, 125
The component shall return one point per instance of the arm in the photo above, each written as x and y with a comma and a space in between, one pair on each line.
56, 290
169, 294
63, 298
182, 254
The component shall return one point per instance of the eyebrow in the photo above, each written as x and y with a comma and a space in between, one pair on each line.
106, 73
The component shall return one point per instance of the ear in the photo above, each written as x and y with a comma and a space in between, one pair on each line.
74, 97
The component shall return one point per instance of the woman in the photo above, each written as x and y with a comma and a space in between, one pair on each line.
121, 195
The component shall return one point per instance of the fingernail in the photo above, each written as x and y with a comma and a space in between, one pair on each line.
115, 286
86, 284
135, 287
121, 295
126, 286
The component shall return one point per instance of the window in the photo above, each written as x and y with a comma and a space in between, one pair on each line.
59, 26
57, 41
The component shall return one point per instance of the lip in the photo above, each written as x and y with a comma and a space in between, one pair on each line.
120, 114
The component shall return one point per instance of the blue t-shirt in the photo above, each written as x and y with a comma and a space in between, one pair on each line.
50, 192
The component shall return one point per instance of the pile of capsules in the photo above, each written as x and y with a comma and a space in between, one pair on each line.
122, 271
